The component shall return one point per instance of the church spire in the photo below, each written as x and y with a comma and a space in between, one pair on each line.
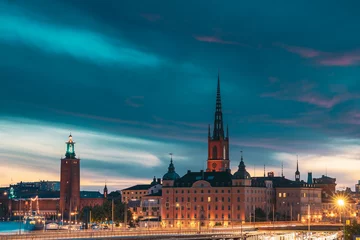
297, 173
209, 135
227, 131
218, 122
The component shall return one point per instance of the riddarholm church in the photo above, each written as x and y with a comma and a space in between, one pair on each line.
216, 197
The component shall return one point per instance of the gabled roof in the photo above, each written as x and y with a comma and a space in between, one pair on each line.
279, 182
91, 194
216, 179
139, 187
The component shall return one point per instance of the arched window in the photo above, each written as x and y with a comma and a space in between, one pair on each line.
214, 152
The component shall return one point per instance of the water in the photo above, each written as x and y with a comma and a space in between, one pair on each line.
10, 227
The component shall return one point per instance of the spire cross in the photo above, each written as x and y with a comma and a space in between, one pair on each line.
171, 154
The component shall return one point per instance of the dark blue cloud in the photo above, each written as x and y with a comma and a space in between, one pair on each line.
146, 71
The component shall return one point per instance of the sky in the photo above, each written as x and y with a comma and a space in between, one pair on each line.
136, 80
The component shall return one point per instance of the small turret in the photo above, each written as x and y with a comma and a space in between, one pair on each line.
171, 174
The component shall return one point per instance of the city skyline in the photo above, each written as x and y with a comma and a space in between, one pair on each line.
133, 82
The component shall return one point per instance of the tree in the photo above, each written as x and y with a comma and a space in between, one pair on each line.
260, 215
351, 230
104, 212
276, 216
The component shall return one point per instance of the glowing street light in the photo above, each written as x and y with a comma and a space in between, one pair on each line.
341, 202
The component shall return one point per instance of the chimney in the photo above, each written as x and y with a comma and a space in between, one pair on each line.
189, 171
159, 180
309, 180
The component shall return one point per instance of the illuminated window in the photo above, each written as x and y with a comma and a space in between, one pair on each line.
209, 199
284, 194
280, 195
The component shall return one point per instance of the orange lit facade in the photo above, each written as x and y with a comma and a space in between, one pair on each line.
218, 143
207, 199
292, 203
216, 197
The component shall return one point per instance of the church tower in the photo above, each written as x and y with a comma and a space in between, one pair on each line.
70, 181
218, 143
297, 173
105, 191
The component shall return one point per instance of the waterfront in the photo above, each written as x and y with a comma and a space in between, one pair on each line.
11, 227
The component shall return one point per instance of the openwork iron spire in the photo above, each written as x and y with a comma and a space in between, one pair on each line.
218, 122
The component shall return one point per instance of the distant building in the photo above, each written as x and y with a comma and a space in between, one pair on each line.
133, 196
48, 185
135, 193
150, 212
357, 187
327, 184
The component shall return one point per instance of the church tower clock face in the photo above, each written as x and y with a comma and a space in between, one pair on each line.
214, 165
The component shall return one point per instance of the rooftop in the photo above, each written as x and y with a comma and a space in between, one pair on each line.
216, 179
139, 187
91, 194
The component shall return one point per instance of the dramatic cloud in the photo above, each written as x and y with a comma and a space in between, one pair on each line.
325, 58
212, 39
301, 51
45, 143
306, 92
79, 43
346, 59
133, 83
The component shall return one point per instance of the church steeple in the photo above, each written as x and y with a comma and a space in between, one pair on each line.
297, 173
218, 143
70, 150
105, 191
218, 121
171, 174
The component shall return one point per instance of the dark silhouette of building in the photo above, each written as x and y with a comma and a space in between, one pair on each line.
297, 173
105, 191
218, 143
310, 179
70, 181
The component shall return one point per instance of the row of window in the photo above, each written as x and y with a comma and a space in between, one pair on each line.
202, 199
195, 216
284, 195
256, 191
141, 192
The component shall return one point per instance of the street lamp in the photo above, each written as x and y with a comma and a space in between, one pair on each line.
179, 206
341, 203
